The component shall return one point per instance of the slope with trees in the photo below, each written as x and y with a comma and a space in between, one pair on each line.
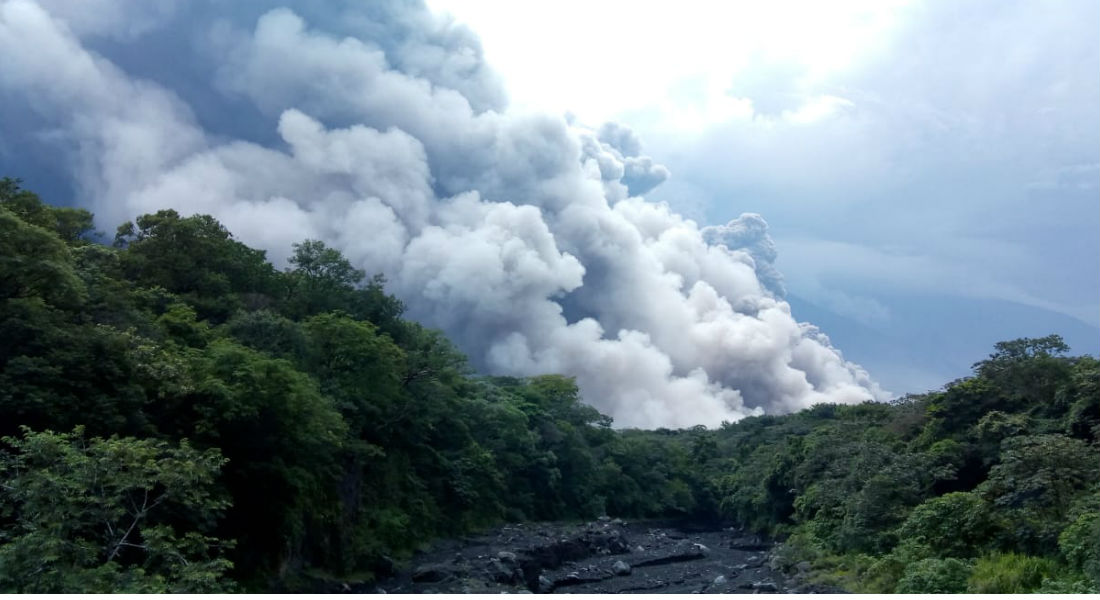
179, 415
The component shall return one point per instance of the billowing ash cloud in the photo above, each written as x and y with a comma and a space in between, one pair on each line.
620, 145
378, 128
749, 232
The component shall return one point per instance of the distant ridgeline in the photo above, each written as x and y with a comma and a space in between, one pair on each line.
180, 416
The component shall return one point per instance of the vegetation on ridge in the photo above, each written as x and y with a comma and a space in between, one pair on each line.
178, 415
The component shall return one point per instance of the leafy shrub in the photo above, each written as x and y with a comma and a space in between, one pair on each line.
954, 524
1034, 486
1080, 545
935, 576
1010, 573
1067, 586
109, 515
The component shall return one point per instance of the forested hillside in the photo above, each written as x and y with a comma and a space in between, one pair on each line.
179, 415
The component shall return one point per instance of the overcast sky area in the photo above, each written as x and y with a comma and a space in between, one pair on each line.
701, 211
929, 171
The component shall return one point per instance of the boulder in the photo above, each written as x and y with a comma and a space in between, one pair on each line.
681, 552
502, 572
620, 568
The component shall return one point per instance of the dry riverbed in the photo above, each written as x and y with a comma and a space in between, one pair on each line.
604, 556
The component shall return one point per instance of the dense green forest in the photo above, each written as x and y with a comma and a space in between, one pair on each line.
178, 415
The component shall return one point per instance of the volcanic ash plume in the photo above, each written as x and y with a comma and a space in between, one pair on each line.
378, 128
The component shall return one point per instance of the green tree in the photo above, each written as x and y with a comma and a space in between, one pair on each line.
1035, 483
59, 367
1081, 394
109, 515
70, 224
283, 439
321, 279
1079, 542
360, 369
198, 259
269, 332
1029, 371
935, 576
35, 263
956, 524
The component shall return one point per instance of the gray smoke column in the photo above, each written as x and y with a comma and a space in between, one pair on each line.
378, 128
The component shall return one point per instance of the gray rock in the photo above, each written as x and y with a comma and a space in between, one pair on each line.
721, 579
681, 552
750, 543
639, 548
545, 586
505, 556
604, 519
620, 568
765, 586
803, 567
503, 573
431, 573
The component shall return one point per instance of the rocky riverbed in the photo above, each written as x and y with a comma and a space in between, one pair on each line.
604, 556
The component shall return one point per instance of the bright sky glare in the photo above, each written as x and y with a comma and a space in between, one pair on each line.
622, 57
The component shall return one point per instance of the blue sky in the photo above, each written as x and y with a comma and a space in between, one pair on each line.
930, 171
607, 190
